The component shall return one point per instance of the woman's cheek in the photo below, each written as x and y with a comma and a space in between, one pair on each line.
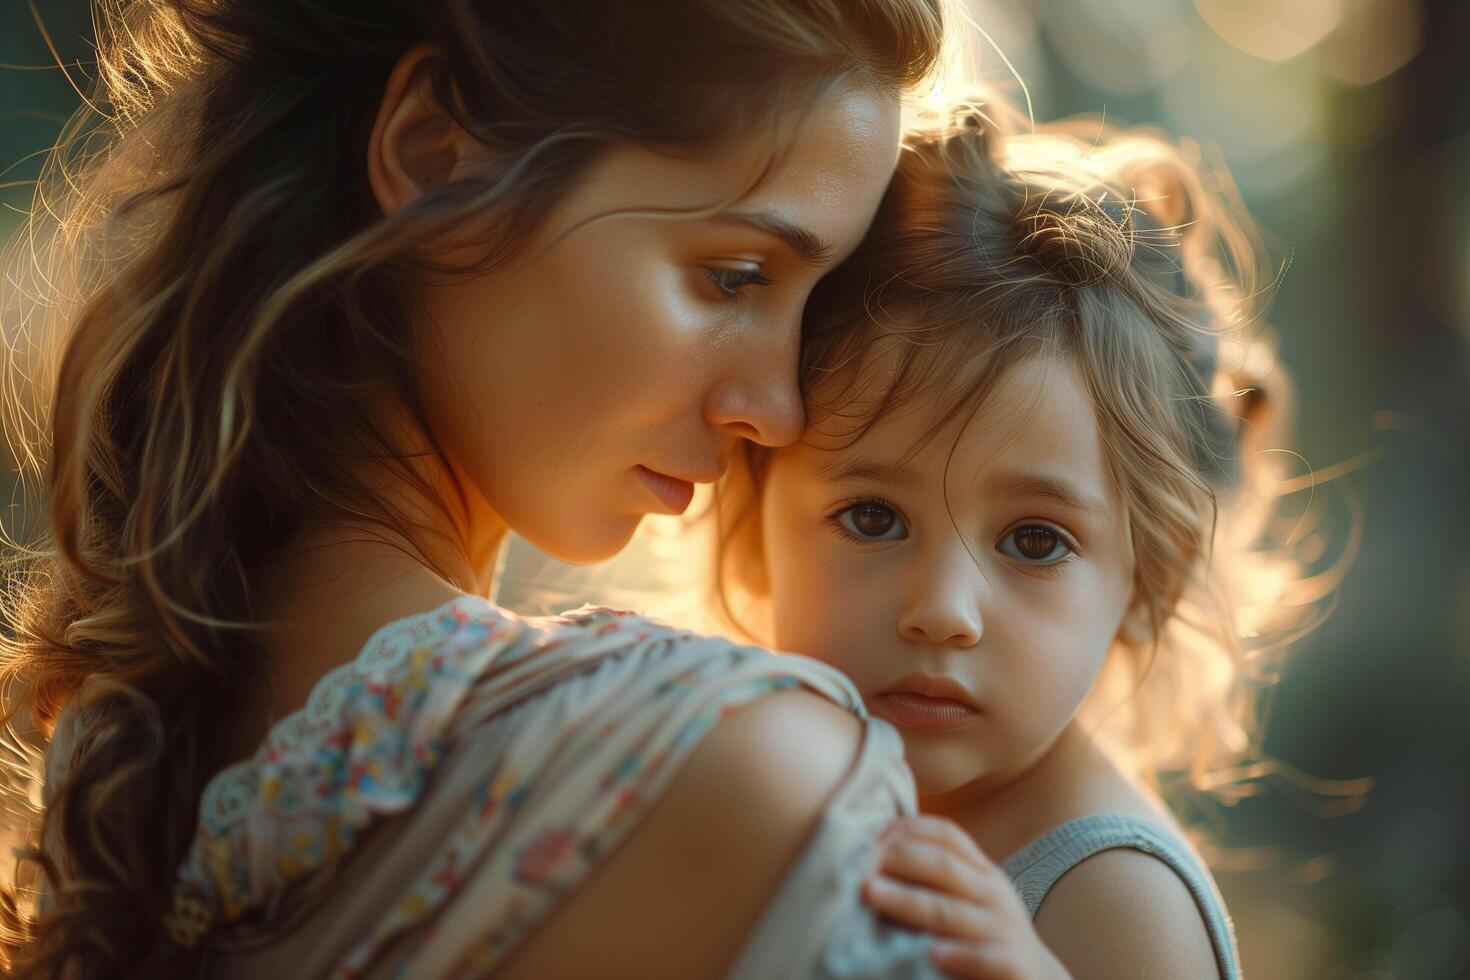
641, 335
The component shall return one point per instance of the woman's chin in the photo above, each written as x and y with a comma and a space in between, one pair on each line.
586, 540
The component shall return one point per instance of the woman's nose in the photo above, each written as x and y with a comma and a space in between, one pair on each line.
771, 415
759, 399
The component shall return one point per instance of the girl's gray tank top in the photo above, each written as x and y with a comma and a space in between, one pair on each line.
1035, 868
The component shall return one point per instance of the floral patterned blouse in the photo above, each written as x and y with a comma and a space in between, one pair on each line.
437, 797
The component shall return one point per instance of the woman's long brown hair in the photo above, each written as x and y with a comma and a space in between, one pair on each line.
198, 313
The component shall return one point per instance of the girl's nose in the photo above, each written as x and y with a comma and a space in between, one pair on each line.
944, 609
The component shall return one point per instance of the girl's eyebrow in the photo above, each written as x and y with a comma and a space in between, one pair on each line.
1017, 483
866, 470
1055, 488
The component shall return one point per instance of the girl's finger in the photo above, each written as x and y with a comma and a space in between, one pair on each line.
925, 910
923, 863
943, 833
971, 961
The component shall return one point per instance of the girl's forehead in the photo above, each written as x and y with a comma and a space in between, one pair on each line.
1036, 417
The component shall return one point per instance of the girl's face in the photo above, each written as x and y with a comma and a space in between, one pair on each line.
617, 363
1008, 573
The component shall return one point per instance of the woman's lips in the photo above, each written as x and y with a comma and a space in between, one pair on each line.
925, 713
673, 493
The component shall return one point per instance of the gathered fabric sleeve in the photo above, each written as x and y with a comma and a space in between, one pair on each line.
817, 925
518, 755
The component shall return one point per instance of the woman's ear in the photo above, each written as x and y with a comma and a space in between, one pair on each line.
416, 143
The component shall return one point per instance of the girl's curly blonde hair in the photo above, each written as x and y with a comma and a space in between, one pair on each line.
1113, 250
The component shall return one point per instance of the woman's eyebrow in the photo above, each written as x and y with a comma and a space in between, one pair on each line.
807, 245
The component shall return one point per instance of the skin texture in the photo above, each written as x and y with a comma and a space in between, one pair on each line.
617, 341
942, 586
607, 345
1123, 914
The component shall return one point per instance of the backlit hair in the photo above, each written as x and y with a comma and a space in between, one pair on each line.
203, 300
1117, 252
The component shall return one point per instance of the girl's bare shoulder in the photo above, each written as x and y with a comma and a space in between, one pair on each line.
1121, 912
1126, 914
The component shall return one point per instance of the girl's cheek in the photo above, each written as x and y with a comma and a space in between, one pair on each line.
856, 626
813, 606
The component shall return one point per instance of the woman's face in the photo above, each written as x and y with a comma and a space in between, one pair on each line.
997, 556
616, 363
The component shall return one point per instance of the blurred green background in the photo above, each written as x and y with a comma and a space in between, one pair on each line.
1346, 124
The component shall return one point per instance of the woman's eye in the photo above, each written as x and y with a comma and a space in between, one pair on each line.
1036, 544
731, 281
871, 521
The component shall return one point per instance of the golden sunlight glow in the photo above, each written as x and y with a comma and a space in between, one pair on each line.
1122, 46
666, 572
1375, 39
1269, 29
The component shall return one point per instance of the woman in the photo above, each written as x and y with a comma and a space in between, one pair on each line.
342, 295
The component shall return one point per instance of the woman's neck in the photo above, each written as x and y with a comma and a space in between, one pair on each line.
334, 586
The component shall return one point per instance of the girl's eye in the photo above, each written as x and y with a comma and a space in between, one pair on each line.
1036, 544
731, 281
869, 520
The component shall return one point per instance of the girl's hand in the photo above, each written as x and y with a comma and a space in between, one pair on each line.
932, 877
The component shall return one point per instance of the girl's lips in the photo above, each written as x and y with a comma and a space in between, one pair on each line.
673, 493
925, 713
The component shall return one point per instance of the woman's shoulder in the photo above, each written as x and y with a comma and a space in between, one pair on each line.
537, 652
681, 894
556, 746
787, 758
603, 669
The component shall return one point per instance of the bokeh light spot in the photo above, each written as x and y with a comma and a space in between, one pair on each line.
1270, 29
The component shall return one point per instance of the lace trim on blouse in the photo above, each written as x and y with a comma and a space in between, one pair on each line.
324, 771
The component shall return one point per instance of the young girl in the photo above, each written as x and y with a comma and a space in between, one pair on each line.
1019, 510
